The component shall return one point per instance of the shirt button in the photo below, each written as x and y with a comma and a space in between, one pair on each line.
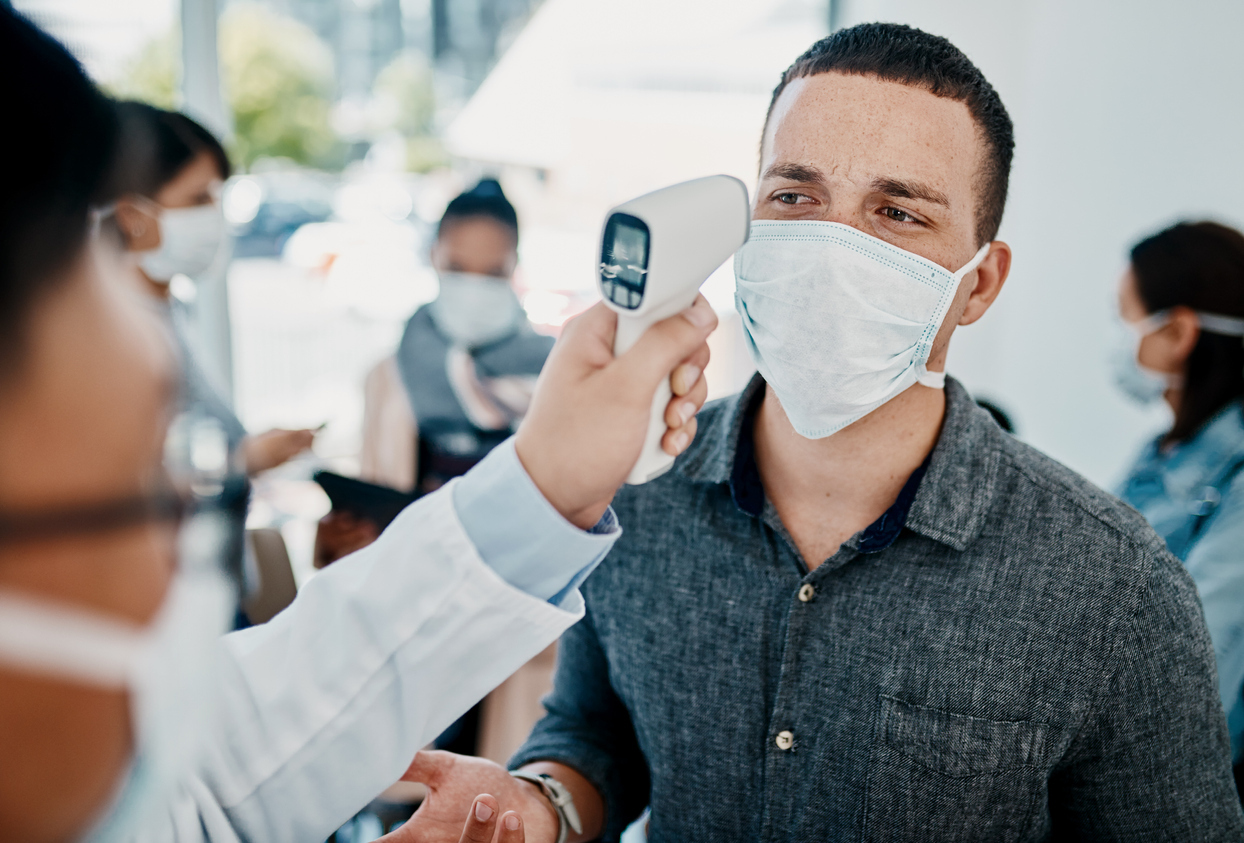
784, 740
806, 592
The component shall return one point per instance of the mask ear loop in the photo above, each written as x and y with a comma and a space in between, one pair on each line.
76, 644
1228, 326
937, 380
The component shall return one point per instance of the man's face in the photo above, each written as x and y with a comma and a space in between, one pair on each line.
81, 422
891, 160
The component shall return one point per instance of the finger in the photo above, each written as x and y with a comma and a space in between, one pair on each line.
665, 345
683, 407
510, 829
590, 335
429, 765
481, 821
686, 375
676, 441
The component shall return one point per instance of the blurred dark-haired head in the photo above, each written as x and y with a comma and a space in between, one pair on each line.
61, 140
157, 144
1199, 266
478, 234
487, 200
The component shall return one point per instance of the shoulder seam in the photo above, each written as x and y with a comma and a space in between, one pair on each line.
1070, 495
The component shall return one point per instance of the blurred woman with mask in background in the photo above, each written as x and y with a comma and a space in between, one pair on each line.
463, 373
1182, 297
170, 220
467, 362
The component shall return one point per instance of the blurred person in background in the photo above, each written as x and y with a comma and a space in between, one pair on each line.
1182, 299
170, 220
123, 714
463, 374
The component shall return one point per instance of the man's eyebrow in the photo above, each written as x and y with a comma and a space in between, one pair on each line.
802, 173
900, 189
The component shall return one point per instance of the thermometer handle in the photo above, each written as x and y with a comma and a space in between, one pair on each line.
653, 461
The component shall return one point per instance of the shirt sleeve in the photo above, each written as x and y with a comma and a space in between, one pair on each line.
1216, 563
1151, 760
588, 728
521, 536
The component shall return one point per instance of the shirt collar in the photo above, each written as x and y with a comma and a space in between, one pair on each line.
948, 497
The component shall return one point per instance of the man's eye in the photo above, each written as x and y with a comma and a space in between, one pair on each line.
897, 215
788, 198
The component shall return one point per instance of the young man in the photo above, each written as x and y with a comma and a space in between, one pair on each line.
856, 610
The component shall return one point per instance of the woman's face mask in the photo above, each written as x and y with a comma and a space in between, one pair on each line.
1140, 383
1147, 386
190, 240
476, 310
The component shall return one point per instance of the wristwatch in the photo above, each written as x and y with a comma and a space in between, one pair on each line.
560, 796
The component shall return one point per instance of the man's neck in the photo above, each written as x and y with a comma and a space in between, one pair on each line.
827, 490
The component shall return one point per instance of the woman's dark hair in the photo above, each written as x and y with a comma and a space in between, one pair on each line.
157, 144
486, 199
1199, 265
61, 137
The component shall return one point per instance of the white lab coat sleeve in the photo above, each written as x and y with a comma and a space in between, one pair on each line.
326, 705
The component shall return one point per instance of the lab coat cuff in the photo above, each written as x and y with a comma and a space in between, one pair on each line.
519, 534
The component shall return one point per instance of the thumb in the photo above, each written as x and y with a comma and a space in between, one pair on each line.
429, 766
587, 340
666, 344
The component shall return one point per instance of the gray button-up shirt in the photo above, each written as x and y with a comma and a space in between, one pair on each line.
1024, 661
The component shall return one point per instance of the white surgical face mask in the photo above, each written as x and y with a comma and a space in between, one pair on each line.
190, 240
839, 322
166, 667
1139, 383
475, 310
1142, 384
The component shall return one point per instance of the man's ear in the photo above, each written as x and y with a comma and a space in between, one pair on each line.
990, 276
139, 228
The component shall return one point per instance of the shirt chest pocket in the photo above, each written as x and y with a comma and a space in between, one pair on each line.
940, 775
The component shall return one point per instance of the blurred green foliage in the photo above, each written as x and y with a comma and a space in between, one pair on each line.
279, 85
278, 78
403, 101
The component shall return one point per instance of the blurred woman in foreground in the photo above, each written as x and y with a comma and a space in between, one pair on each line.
1182, 296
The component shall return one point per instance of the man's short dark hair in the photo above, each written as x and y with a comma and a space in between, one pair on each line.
897, 53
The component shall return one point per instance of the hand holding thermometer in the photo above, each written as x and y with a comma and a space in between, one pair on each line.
655, 253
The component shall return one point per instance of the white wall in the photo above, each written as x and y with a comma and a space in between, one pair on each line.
1129, 114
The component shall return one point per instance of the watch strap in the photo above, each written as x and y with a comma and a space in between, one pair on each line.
561, 799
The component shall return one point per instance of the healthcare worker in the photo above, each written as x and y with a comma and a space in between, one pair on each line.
170, 221
1182, 299
122, 715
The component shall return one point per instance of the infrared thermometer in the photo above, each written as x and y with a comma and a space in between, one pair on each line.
655, 253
